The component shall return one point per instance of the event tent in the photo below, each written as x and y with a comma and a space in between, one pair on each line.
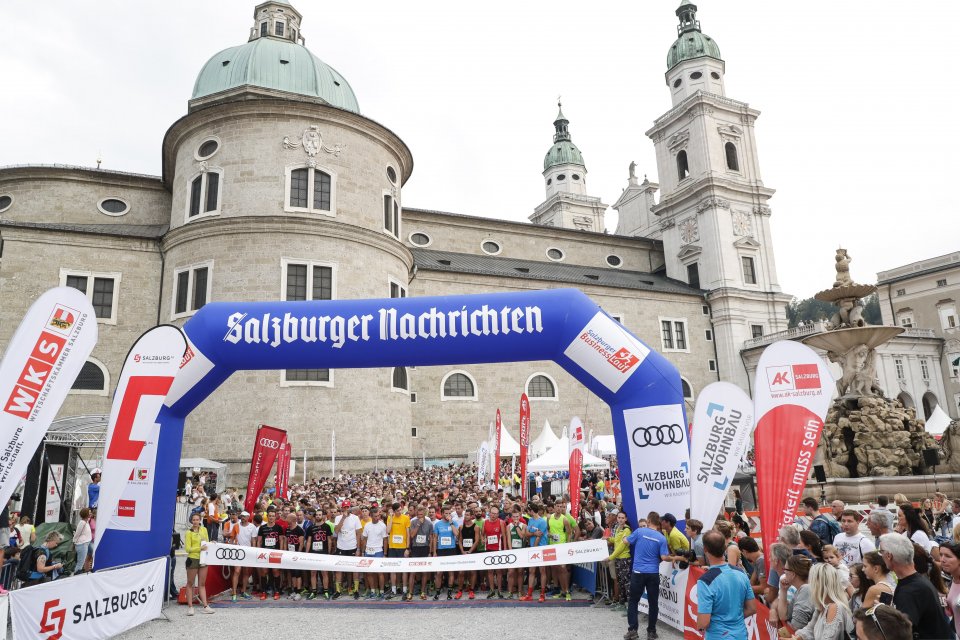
202, 464
508, 446
543, 442
938, 421
603, 446
558, 459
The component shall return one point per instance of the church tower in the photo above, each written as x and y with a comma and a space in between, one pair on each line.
713, 215
567, 204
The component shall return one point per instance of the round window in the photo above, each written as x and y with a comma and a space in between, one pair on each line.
392, 174
614, 261
575, 176
207, 149
696, 75
561, 177
491, 247
676, 83
554, 254
714, 75
419, 239
5, 202
549, 181
113, 206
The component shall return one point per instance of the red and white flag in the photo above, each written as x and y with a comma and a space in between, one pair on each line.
282, 479
496, 458
266, 448
578, 444
130, 452
524, 443
43, 359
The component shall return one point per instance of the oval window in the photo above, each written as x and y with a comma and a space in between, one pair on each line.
419, 239
696, 75
561, 177
549, 181
575, 176
614, 261
491, 247
113, 206
676, 83
5, 202
392, 174
207, 149
554, 254
714, 75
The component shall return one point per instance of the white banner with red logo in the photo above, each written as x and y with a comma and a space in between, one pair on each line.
266, 449
54, 488
567, 553
43, 358
496, 455
792, 392
722, 424
130, 452
578, 444
524, 444
90, 606
282, 477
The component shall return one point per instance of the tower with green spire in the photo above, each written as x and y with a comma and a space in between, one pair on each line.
693, 60
567, 204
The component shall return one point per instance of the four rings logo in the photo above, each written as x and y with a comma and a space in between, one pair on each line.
656, 435
498, 560
269, 444
224, 553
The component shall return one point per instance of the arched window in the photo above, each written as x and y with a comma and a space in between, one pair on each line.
541, 386
400, 379
732, 162
683, 169
93, 377
930, 403
687, 390
459, 386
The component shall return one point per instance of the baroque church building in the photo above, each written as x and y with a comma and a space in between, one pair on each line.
274, 186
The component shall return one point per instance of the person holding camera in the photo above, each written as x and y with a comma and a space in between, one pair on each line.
724, 596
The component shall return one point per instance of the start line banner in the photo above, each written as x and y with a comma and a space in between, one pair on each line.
567, 553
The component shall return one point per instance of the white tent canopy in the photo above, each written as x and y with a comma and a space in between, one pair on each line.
543, 442
938, 421
207, 465
508, 446
558, 459
604, 446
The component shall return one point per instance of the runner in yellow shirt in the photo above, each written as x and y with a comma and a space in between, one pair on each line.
398, 525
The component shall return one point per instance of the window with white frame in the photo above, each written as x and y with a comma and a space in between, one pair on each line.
708, 335
953, 361
101, 289
93, 379
458, 385
712, 365
673, 334
749, 270
905, 319
397, 290
948, 316
203, 198
924, 369
898, 365
307, 280
398, 379
413, 432
391, 215
756, 331
311, 190
540, 386
191, 288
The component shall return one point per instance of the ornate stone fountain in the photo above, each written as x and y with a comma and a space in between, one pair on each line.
865, 433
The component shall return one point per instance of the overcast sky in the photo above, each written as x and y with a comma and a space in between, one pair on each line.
858, 134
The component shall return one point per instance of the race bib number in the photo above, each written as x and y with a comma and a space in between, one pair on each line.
446, 541
397, 539
421, 539
318, 545
467, 543
269, 542
516, 544
493, 540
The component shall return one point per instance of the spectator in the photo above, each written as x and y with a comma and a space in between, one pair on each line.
44, 568
832, 619
11, 560
811, 543
82, 539
950, 563
859, 585
883, 505
797, 611
725, 598
676, 541
850, 542
28, 533
836, 509
620, 562
878, 522
750, 552
914, 595
695, 531
779, 553
649, 550
911, 524
732, 555
196, 541
819, 523
881, 583
882, 622
93, 489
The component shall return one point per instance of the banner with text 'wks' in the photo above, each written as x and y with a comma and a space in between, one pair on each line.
90, 606
722, 424
792, 392
266, 449
43, 358
130, 452
524, 444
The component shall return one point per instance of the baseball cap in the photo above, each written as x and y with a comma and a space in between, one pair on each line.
244, 513
346, 503
96, 472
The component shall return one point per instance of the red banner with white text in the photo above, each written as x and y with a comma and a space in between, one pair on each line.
282, 480
266, 448
792, 392
758, 625
496, 473
524, 443
578, 444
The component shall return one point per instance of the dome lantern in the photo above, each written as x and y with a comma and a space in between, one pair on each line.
691, 42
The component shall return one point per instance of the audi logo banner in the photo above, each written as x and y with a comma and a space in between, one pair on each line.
266, 451
568, 553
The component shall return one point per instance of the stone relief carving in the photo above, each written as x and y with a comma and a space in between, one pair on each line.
203, 166
678, 141
666, 224
718, 203
762, 210
731, 131
742, 225
311, 141
689, 231
582, 222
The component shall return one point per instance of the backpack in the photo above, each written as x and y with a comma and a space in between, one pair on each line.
832, 527
28, 562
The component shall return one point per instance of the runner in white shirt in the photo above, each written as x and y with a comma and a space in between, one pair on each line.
371, 544
852, 544
241, 575
347, 529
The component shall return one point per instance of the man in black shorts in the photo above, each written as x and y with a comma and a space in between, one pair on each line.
421, 533
270, 538
295, 539
319, 539
347, 529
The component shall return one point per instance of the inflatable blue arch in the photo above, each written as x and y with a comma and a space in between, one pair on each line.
642, 388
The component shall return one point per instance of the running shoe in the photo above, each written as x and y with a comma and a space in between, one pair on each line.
326, 594
312, 595
356, 594
409, 596
190, 611
542, 598
490, 594
423, 595
336, 594
526, 598
557, 595
207, 609
296, 596
568, 597
263, 595
458, 595
233, 598
512, 596
388, 595
246, 596
449, 594
371, 595
276, 596
470, 595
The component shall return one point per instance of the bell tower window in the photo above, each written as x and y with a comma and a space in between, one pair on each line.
263, 29
733, 163
278, 29
683, 169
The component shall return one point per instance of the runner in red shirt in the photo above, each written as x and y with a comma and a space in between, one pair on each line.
494, 536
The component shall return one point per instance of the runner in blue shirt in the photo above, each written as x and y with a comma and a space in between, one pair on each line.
445, 544
536, 535
649, 550
724, 596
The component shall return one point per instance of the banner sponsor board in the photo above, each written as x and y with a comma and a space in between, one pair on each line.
568, 553
607, 351
524, 444
42, 360
659, 458
483, 462
577, 447
496, 455
758, 625
130, 450
266, 450
282, 478
673, 590
722, 424
90, 606
54, 488
792, 392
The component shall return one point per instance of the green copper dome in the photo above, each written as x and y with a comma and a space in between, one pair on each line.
563, 150
274, 63
691, 43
